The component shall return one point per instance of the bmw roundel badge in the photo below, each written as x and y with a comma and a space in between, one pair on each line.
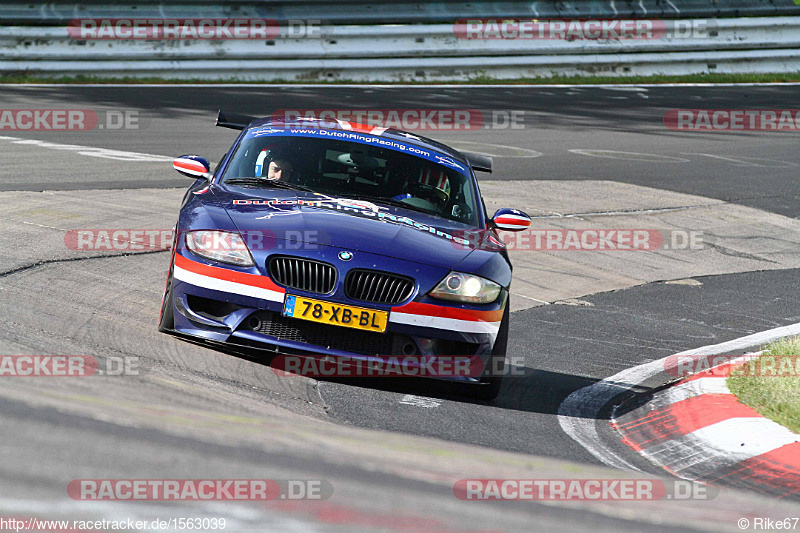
345, 256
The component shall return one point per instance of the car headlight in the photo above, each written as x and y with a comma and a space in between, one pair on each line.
461, 287
222, 246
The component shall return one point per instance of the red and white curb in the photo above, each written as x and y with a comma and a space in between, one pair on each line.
697, 429
579, 413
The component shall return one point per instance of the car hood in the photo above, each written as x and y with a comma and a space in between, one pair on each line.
357, 226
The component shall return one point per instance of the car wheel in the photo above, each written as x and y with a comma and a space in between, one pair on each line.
166, 322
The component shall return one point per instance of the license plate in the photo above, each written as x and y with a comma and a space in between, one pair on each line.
336, 314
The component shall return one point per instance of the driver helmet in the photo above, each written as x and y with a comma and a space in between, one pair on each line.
268, 155
437, 179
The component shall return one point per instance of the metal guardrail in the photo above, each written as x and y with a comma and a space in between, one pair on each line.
395, 11
392, 41
407, 53
436, 69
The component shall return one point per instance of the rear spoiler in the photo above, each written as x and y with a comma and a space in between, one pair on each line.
479, 162
233, 121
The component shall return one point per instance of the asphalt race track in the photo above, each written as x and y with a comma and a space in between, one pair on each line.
391, 450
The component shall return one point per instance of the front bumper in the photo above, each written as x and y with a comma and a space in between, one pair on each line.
243, 307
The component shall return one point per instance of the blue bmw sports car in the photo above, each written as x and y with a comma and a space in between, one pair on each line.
340, 240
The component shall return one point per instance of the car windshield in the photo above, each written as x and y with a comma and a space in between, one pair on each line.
356, 170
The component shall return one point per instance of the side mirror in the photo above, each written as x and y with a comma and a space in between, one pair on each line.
511, 220
193, 166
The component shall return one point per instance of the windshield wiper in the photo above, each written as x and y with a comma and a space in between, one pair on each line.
263, 182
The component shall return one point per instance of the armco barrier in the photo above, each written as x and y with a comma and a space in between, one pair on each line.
431, 52
33, 44
395, 12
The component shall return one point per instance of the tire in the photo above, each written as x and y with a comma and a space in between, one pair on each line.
166, 322
492, 381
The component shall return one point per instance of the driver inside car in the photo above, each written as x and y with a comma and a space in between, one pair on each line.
278, 167
429, 189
